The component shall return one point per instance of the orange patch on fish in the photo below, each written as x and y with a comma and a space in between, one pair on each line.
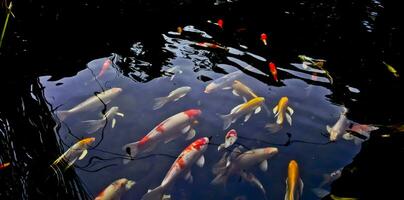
144, 140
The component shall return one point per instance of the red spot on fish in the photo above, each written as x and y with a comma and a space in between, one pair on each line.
264, 38
192, 113
100, 195
273, 70
198, 143
144, 140
220, 23
160, 128
181, 162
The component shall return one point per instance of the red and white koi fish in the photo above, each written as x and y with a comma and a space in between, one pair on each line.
181, 167
76, 152
246, 109
91, 103
166, 131
264, 38
174, 95
107, 63
91, 126
294, 184
115, 190
225, 82
4, 165
229, 140
274, 72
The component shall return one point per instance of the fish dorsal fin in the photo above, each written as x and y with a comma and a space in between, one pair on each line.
288, 118
257, 110
264, 165
235, 109
291, 111
201, 161
235, 93
247, 117
275, 110
113, 123
83, 154
191, 134
186, 129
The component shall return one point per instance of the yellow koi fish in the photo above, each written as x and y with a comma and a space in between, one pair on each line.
247, 109
391, 69
280, 111
77, 152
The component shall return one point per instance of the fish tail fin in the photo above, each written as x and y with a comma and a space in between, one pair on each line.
227, 120
159, 102
131, 149
91, 126
62, 115
155, 194
273, 127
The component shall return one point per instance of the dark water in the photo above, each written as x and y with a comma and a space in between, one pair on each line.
354, 39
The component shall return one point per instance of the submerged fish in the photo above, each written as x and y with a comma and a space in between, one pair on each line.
263, 38
174, 95
223, 82
273, 70
76, 152
4, 165
239, 89
294, 184
107, 63
166, 131
283, 110
115, 190
247, 109
391, 69
229, 140
312, 61
91, 126
339, 127
210, 45
181, 167
91, 103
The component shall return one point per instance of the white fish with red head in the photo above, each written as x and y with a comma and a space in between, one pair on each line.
91, 103
225, 82
229, 140
76, 152
181, 167
168, 130
115, 190
174, 95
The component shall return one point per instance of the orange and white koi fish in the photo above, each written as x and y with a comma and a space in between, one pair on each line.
181, 167
115, 190
107, 63
4, 165
274, 72
229, 140
223, 82
247, 109
264, 38
91, 103
166, 131
239, 89
283, 110
76, 152
91, 126
210, 45
294, 184
174, 95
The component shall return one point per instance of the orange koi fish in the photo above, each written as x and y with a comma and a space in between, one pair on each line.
294, 184
273, 70
264, 38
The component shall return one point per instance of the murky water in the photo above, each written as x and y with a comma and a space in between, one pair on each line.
308, 144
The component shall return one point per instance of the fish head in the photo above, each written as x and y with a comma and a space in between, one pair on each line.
87, 141
283, 101
201, 144
193, 113
231, 133
270, 151
292, 165
116, 90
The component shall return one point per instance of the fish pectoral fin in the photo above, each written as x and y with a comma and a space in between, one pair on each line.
291, 111
191, 134
188, 177
275, 110
113, 123
226, 88
257, 110
247, 117
328, 129
347, 136
186, 129
201, 161
120, 114
83, 154
301, 185
288, 118
264, 165
235, 93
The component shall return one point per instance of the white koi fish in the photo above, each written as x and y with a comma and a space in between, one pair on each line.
339, 127
92, 126
115, 190
181, 167
76, 152
247, 109
91, 103
229, 140
223, 82
174, 95
166, 131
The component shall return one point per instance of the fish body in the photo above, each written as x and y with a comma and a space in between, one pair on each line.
264, 38
91, 103
246, 109
339, 127
174, 95
294, 184
166, 131
91, 126
239, 89
282, 110
115, 190
181, 167
107, 63
223, 82
230, 139
274, 72
76, 152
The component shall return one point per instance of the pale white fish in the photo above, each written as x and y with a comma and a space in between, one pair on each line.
91, 126
339, 127
91, 103
115, 190
174, 95
223, 82
181, 168
246, 109
230, 139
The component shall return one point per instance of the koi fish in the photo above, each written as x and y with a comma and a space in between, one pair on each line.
294, 184
181, 167
247, 109
239, 89
210, 45
174, 95
220, 23
273, 70
179, 30
91, 126
4, 165
107, 63
166, 131
223, 82
115, 190
264, 38
91, 103
312, 61
339, 127
327, 179
76, 152
229, 139
173, 71
283, 109
391, 69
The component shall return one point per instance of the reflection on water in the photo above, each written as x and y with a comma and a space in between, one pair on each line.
306, 141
